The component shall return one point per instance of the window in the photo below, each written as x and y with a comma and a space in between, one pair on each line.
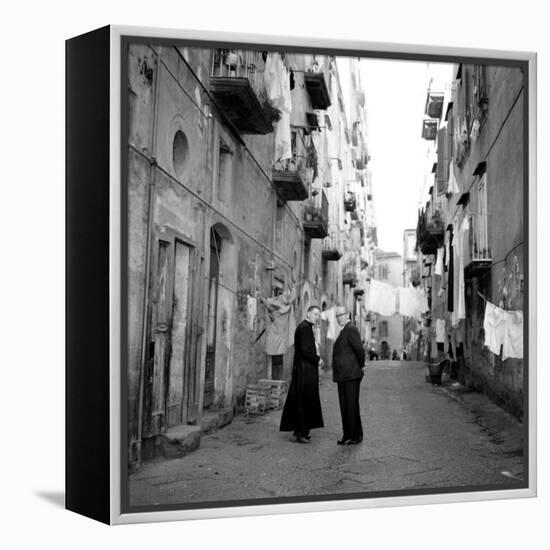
180, 153
383, 272
383, 329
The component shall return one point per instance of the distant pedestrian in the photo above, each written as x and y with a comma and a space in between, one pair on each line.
348, 360
394, 355
302, 410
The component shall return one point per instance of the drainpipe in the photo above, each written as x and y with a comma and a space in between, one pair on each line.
150, 214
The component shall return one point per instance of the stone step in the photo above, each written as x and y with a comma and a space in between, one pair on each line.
215, 419
179, 440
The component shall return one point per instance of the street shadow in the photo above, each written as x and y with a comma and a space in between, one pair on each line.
56, 498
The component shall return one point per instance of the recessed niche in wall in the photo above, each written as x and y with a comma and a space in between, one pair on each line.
181, 153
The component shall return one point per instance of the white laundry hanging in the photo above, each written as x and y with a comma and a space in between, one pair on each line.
382, 298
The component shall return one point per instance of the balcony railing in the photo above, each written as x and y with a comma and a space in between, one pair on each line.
350, 202
317, 89
237, 83
431, 231
480, 258
434, 104
292, 177
332, 246
316, 216
429, 128
289, 184
349, 273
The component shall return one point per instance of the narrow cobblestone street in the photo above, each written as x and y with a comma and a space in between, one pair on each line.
417, 436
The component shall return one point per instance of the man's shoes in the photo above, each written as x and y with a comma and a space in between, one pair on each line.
343, 442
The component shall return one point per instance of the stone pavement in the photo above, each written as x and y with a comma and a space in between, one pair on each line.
417, 436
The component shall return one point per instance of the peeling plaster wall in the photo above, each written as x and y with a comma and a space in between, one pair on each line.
500, 144
260, 241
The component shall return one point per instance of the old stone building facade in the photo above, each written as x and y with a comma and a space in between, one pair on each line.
241, 167
474, 217
388, 333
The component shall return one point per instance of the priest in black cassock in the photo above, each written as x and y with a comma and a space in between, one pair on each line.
302, 410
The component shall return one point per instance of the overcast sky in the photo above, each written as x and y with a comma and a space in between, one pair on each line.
395, 93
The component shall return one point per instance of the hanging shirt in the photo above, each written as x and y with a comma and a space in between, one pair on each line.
452, 187
439, 261
512, 346
277, 84
494, 327
450, 274
440, 330
460, 240
333, 328
381, 298
409, 302
278, 323
464, 231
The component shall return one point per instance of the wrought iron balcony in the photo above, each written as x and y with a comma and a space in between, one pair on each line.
349, 273
431, 231
350, 202
315, 221
332, 246
480, 259
429, 129
434, 104
237, 84
317, 89
289, 184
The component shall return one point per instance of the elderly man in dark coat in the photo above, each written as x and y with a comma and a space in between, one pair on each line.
302, 410
348, 360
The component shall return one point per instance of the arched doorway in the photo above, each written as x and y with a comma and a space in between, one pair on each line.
384, 350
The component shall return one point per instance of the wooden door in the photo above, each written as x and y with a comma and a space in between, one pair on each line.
179, 357
159, 339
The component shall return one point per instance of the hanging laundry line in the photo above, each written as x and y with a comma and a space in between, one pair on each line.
503, 330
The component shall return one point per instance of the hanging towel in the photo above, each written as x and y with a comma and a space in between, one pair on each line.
460, 238
277, 84
513, 335
422, 300
439, 261
279, 323
440, 330
381, 298
494, 327
333, 327
409, 302
452, 187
